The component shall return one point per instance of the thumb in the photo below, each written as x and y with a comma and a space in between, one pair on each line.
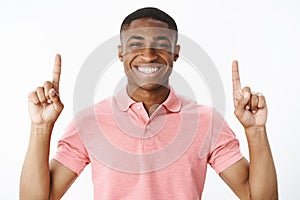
54, 97
243, 102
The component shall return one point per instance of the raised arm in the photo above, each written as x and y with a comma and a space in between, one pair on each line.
256, 180
38, 181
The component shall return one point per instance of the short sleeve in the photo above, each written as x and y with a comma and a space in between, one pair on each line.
71, 152
226, 151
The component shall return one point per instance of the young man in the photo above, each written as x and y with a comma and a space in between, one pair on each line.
156, 117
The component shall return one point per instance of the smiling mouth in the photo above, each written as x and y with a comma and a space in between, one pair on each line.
148, 69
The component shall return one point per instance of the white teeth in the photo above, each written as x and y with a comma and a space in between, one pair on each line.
148, 70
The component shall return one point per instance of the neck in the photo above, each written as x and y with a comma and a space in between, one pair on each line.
151, 98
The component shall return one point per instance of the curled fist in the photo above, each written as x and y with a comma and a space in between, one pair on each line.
250, 107
44, 103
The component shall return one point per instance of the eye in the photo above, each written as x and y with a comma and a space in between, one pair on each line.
135, 44
161, 46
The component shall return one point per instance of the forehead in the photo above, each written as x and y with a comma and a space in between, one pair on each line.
148, 28
147, 22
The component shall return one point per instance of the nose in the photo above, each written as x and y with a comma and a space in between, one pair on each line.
149, 54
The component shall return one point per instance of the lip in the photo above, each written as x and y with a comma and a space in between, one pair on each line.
148, 70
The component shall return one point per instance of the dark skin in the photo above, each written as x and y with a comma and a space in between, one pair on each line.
254, 180
153, 46
148, 62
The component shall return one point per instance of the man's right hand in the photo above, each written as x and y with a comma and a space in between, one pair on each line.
44, 103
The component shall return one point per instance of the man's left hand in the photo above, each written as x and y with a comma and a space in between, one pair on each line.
250, 108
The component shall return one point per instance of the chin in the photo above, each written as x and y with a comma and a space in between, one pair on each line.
152, 86
148, 85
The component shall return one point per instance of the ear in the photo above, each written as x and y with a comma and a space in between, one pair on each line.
176, 53
120, 54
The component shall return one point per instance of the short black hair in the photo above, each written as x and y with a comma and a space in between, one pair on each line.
149, 12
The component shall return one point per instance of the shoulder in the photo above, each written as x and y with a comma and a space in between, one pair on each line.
206, 115
190, 104
88, 116
103, 106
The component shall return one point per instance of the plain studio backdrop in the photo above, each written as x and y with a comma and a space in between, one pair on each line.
262, 35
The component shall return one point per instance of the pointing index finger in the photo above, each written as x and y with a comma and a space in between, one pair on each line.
236, 84
56, 72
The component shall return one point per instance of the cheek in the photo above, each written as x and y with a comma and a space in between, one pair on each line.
127, 60
169, 59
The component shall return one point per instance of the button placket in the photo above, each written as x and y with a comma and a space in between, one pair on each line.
140, 116
144, 121
144, 137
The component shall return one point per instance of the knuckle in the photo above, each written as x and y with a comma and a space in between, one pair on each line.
237, 112
30, 94
43, 99
39, 89
262, 98
247, 88
254, 99
47, 83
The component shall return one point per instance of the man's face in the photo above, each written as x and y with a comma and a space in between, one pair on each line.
148, 51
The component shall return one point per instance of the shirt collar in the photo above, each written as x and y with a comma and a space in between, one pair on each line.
172, 103
123, 101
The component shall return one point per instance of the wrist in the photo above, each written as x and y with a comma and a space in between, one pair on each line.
255, 129
254, 133
42, 128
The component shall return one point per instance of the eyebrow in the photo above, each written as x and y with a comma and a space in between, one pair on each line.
135, 37
162, 38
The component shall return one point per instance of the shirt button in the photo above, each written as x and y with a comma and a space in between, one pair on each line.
148, 127
138, 107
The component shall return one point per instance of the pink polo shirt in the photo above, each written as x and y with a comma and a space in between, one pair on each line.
134, 156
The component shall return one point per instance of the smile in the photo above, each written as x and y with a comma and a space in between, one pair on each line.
148, 70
